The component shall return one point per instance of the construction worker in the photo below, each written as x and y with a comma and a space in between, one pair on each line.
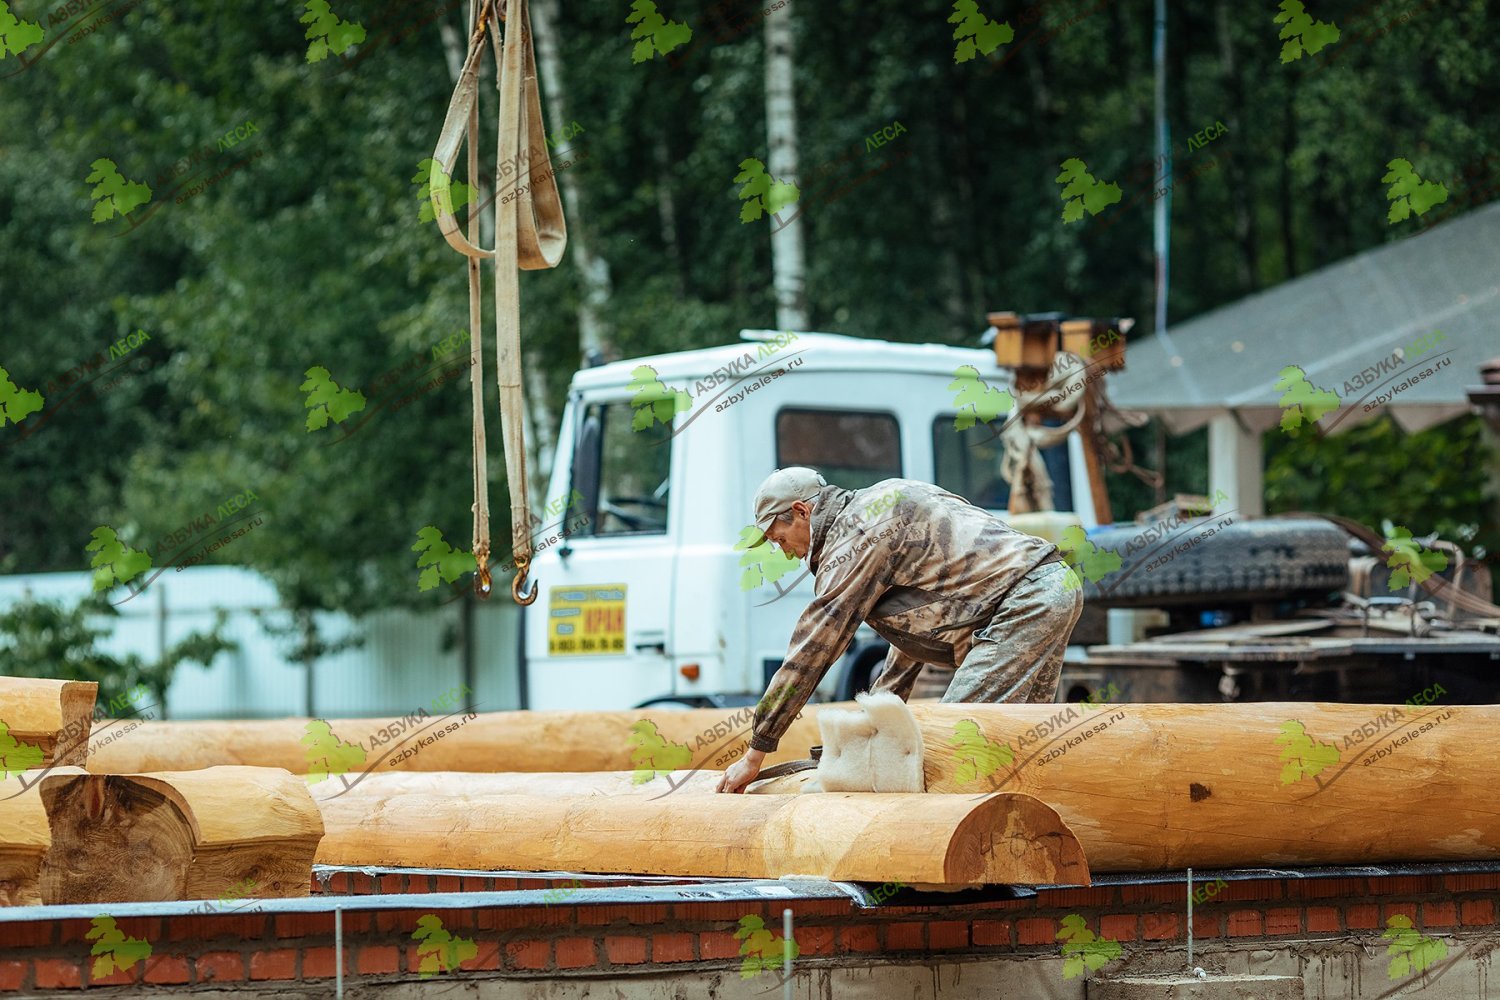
943, 581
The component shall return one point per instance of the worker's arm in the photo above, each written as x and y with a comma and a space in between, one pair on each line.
899, 675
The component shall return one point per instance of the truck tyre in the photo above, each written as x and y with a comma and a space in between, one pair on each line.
1242, 561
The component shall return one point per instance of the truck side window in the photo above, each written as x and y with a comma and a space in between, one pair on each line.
851, 449
622, 473
967, 463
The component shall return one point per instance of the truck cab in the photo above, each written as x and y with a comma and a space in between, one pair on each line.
656, 591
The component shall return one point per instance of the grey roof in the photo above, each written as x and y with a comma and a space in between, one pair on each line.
1333, 323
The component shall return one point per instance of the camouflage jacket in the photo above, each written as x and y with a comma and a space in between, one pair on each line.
922, 566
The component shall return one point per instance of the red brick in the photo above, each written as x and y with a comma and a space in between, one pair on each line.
245, 927
449, 883
1160, 926
672, 948
1250, 890
56, 973
1325, 888
900, 937
1283, 920
718, 944
1399, 885
219, 967
1408, 910
35, 933
1036, 930
505, 884
1478, 882
473, 883
1440, 914
528, 954
404, 921
1478, 912
1118, 927
991, 933
318, 963
619, 950
12, 975
296, 925
947, 934
1156, 892
634, 915
392, 883
378, 958
421, 883
167, 969
1245, 923
814, 940
278, 963
859, 938
1361, 916
1072, 899
1208, 924
487, 959
577, 953
1322, 919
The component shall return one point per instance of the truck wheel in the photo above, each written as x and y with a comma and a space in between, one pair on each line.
861, 668
1267, 559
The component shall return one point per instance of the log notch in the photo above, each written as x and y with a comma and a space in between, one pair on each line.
23, 842
490, 741
46, 716
951, 841
177, 835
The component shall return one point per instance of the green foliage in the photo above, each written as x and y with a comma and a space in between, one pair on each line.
1083, 191
326, 754
656, 33
1303, 757
652, 755
975, 32
16, 404
1409, 561
114, 562
1301, 401
1409, 951
763, 950
442, 560
113, 951
762, 193
1082, 950
975, 401
329, 33
764, 560
1409, 193
978, 756
653, 403
48, 639
16, 756
1304, 35
439, 950
1084, 556
113, 194
327, 400
16, 36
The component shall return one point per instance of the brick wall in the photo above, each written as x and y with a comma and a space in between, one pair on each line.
560, 939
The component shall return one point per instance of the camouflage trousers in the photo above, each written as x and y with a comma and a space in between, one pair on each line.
1018, 656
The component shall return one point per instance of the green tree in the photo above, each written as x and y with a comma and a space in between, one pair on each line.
762, 193
15, 756
1084, 557
1303, 756
16, 404
444, 563
652, 755
439, 950
975, 32
976, 402
114, 562
1303, 34
978, 757
1408, 950
763, 950
1082, 950
656, 33
327, 755
764, 560
327, 400
328, 32
113, 194
1409, 193
113, 951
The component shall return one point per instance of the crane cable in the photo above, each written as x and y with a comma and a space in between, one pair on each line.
529, 230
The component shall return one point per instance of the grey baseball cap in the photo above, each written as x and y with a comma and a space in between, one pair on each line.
783, 488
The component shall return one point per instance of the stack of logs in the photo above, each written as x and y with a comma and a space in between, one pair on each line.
1015, 794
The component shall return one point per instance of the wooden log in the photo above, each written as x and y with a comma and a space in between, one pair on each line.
945, 841
177, 835
23, 842
43, 722
492, 741
1162, 787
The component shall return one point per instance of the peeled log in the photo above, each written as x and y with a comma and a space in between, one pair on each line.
177, 835
23, 842
490, 741
1170, 786
949, 841
53, 717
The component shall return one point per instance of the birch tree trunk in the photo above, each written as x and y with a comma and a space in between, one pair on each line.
788, 268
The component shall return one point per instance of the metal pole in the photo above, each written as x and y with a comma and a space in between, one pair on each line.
338, 951
786, 954
1190, 920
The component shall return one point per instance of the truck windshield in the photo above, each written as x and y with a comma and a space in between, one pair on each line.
967, 462
850, 449
631, 467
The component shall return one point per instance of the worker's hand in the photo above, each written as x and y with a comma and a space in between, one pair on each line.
741, 772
